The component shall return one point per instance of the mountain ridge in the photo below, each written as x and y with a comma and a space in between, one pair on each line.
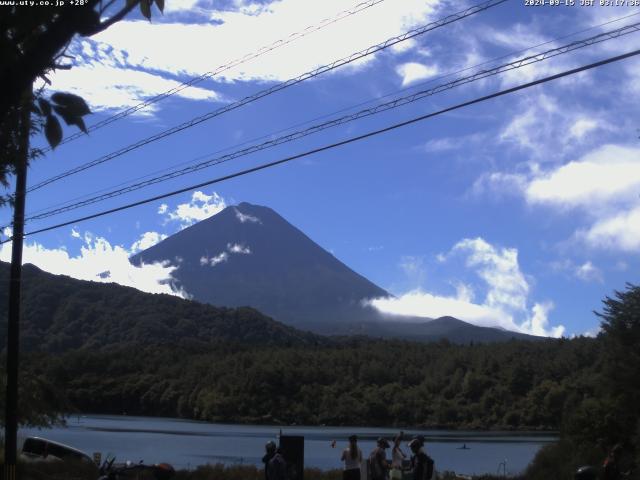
250, 255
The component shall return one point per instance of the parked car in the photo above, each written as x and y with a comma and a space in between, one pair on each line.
38, 449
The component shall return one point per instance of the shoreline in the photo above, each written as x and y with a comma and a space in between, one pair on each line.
541, 430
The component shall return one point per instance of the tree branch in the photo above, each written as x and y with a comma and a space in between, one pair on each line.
116, 18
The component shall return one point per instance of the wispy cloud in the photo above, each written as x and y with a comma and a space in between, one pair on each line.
201, 207
245, 217
115, 69
99, 261
147, 240
602, 186
232, 249
506, 303
413, 72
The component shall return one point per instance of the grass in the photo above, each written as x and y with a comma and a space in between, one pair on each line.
77, 471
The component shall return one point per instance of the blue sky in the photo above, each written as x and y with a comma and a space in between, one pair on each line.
521, 212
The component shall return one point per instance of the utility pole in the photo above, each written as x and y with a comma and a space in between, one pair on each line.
15, 280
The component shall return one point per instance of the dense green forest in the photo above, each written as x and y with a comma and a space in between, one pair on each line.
358, 382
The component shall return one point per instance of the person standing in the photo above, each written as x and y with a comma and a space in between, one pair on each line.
421, 463
352, 458
378, 464
397, 457
277, 467
270, 449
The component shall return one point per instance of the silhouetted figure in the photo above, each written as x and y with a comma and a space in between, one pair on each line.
270, 449
352, 458
421, 463
277, 467
378, 464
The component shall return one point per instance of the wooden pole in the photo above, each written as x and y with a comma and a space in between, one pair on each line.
13, 333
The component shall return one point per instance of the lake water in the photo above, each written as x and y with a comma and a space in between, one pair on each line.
187, 444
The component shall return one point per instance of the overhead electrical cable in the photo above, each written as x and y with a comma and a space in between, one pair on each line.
222, 68
301, 78
340, 143
327, 115
382, 107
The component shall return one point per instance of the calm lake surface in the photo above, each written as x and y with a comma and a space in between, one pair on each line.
187, 444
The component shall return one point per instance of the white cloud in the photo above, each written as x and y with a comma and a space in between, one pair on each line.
413, 268
200, 207
112, 87
527, 128
444, 144
588, 272
412, 72
516, 37
232, 248
115, 68
617, 232
99, 261
213, 261
238, 248
147, 240
405, 46
423, 304
538, 323
243, 217
604, 184
75, 233
550, 131
608, 173
523, 37
592, 332
500, 183
505, 304
582, 126
500, 270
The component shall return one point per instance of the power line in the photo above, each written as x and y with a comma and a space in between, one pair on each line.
305, 76
340, 143
222, 68
306, 122
398, 102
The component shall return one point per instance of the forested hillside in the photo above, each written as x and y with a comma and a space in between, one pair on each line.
114, 349
359, 382
61, 313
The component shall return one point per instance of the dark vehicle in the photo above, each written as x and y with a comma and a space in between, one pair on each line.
41, 449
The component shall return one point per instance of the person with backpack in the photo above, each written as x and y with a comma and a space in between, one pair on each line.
352, 458
421, 463
378, 465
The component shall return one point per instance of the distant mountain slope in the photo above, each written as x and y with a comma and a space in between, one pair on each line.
61, 313
250, 255
426, 330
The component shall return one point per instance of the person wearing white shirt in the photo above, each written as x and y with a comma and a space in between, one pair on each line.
352, 458
397, 456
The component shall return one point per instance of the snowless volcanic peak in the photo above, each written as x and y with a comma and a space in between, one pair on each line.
248, 255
